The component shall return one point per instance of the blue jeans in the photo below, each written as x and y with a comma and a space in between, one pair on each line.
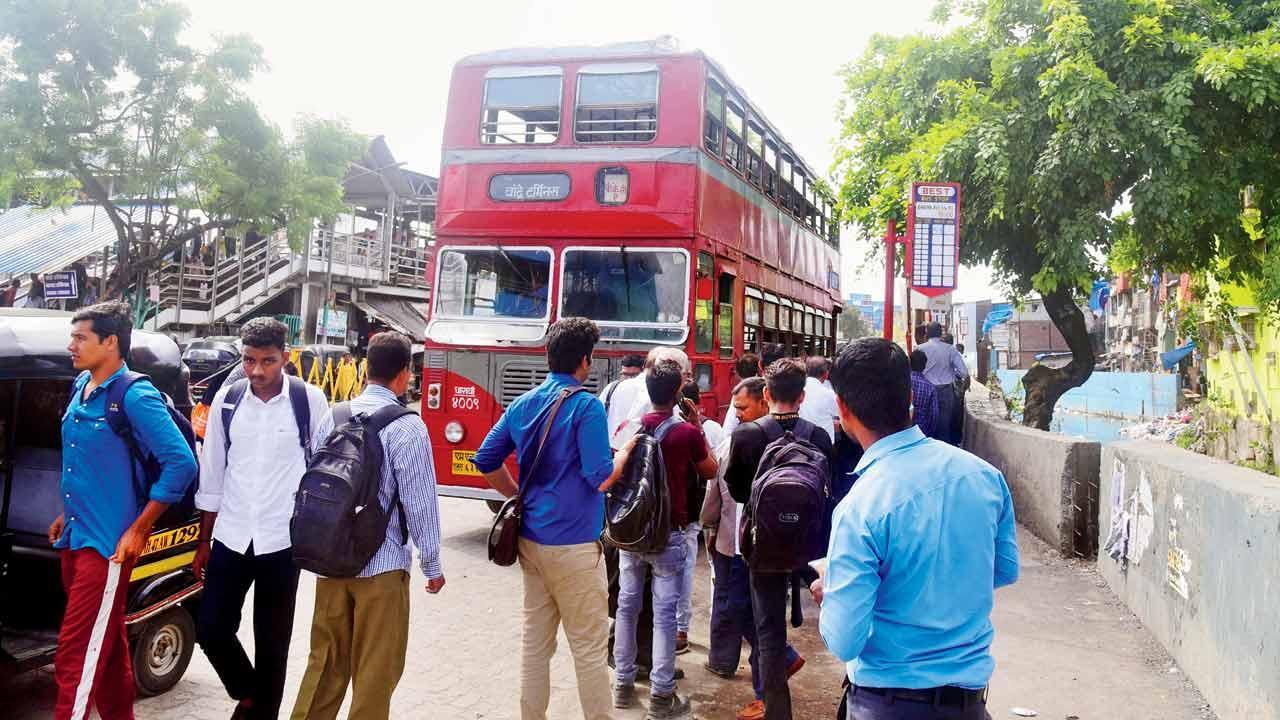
684, 611
668, 570
733, 621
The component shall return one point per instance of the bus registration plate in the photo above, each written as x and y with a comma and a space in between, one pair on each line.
462, 463
172, 538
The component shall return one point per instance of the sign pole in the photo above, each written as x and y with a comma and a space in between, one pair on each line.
890, 255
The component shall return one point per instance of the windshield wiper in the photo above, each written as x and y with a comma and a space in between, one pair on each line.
528, 282
626, 277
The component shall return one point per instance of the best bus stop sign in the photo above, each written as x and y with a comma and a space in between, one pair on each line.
933, 237
61, 285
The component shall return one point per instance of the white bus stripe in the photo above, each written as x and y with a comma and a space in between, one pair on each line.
91, 655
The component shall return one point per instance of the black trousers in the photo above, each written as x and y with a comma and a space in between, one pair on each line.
644, 625
227, 581
868, 706
769, 604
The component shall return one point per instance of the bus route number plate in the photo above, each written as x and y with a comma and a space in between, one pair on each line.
462, 463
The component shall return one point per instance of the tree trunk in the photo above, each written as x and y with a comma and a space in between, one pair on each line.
1044, 385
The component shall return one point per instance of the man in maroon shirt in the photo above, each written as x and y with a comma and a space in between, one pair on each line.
687, 460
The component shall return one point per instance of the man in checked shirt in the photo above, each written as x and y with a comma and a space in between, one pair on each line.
360, 630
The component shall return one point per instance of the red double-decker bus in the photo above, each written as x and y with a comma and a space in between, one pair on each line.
632, 184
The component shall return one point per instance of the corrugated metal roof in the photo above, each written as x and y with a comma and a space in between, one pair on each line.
40, 240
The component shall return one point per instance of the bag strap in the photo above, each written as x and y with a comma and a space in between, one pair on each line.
660, 432
341, 414
118, 421
301, 413
771, 427
803, 430
608, 394
565, 394
230, 404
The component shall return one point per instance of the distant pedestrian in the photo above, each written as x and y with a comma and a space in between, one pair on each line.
10, 292
924, 399
255, 452
106, 520
35, 293
687, 460
360, 627
563, 515
747, 366
944, 368
819, 404
925, 525
771, 353
697, 490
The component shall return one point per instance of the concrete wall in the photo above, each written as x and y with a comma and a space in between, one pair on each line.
1201, 568
1053, 478
1120, 394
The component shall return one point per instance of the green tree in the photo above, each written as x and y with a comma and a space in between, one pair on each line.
101, 99
853, 325
1053, 116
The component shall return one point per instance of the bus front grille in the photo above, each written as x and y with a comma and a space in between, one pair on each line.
518, 379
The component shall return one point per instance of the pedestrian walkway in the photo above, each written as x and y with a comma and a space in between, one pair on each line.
1065, 648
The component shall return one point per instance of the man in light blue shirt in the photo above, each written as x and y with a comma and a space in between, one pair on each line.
917, 549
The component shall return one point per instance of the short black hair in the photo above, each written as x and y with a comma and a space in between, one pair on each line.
816, 366
772, 353
785, 380
960, 348
752, 386
948, 338
919, 361
933, 330
633, 360
264, 332
747, 366
691, 391
872, 377
389, 354
109, 318
569, 340
663, 380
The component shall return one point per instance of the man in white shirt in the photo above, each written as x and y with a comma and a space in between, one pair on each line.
819, 403
630, 413
255, 452
619, 395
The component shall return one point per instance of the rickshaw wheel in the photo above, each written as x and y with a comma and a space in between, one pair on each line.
494, 505
162, 651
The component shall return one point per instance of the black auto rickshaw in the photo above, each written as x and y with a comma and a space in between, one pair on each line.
35, 383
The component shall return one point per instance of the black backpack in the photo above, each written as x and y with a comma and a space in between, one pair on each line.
338, 523
637, 510
787, 512
118, 421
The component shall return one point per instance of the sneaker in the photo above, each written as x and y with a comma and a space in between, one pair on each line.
682, 643
753, 711
795, 667
624, 696
726, 674
662, 707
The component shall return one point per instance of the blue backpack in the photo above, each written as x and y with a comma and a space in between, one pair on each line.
118, 421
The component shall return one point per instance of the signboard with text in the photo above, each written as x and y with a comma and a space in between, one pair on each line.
332, 326
61, 285
529, 187
933, 237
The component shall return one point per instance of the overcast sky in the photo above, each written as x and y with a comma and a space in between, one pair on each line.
384, 66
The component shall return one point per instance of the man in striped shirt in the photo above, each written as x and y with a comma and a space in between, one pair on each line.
360, 630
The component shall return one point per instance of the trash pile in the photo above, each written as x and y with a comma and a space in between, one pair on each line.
1165, 429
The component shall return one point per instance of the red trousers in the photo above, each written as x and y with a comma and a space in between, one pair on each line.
92, 664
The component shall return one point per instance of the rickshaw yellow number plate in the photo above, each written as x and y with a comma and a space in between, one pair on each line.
462, 463
171, 538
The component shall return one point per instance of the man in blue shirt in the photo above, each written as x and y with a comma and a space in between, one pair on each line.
944, 368
106, 517
563, 502
917, 549
924, 398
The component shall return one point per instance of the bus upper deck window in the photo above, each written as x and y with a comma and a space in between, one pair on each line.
733, 136
755, 149
713, 125
770, 168
521, 106
617, 104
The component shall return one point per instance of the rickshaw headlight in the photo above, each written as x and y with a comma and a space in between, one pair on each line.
453, 432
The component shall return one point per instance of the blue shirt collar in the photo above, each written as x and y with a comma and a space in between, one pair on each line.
563, 379
86, 376
889, 444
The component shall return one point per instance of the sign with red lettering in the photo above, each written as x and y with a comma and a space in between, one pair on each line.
933, 238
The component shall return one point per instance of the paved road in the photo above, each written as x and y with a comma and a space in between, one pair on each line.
1065, 647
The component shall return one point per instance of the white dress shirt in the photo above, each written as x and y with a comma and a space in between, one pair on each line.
730, 420
252, 489
819, 406
624, 398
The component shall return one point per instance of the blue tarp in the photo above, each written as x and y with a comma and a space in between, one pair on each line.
1098, 296
996, 317
1171, 359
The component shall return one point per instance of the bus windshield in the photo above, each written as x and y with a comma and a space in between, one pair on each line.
493, 283
642, 290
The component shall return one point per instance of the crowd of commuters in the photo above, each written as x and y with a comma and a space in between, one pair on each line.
906, 514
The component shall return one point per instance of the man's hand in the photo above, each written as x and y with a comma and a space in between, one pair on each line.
201, 561
711, 540
434, 585
55, 530
815, 588
131, 545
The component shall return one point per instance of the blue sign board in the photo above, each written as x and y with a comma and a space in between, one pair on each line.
61, 285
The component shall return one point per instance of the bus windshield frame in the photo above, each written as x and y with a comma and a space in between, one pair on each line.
671, 332
457, 328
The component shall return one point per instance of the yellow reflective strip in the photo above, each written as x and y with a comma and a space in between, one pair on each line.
160, 566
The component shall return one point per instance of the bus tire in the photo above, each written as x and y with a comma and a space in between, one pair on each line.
162, 651
495, 505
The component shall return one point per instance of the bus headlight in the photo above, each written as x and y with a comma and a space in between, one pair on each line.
453, 432
433, 396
